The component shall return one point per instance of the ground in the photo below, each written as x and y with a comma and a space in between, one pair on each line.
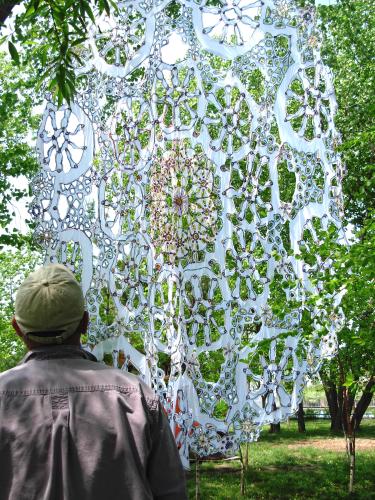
294, 466
335, 444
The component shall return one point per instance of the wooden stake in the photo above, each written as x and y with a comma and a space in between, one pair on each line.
197, 479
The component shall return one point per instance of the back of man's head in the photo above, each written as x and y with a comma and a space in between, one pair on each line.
49, 305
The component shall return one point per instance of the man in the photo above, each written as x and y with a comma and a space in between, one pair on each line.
70, 427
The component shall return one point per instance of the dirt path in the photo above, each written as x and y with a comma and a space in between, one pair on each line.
335, 444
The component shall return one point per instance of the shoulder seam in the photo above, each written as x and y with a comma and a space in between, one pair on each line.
90, 388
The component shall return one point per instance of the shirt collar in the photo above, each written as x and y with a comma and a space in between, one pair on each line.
57, 352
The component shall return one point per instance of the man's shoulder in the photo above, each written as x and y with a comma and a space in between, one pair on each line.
109, 375
9, 375
72, 374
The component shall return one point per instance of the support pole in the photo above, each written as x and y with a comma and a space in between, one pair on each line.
247, 456
244, 466
197, 479
242, 474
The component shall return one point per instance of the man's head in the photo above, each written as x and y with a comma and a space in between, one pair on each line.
49, 307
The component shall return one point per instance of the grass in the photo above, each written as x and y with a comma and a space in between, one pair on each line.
291, 466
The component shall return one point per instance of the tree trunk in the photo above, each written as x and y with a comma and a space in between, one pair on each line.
351, 400
334, 400
301, 418
349, 430
274, 428
6, 9
350, 448
363, 403
340, 404
244, 467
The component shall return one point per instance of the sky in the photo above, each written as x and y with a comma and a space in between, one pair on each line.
325, 2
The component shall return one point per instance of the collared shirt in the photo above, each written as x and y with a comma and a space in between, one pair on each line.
74, 429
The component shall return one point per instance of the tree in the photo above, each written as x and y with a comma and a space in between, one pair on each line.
352, 370
347, 271
18, 129
349, 377
44, 44
52, 31
14, 267
349, 45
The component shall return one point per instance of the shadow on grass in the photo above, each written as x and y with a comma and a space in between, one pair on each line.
278, 472
314, 429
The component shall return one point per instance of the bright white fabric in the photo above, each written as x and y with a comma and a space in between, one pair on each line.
196, 161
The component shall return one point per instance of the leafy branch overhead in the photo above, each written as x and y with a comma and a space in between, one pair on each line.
17, 157
51, 33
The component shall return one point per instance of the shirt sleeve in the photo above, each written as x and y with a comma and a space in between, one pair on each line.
164, 470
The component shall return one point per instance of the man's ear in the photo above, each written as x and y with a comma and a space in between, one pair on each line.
17, 328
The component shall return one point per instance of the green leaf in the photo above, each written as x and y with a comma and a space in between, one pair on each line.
77, 57
349, 380
79, 41
30, 11
90, 13
13, 52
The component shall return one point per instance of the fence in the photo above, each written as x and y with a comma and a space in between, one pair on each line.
322, 412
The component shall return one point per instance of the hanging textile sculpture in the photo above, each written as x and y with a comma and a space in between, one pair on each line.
195, 162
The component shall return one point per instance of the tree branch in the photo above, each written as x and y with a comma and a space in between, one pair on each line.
363, 403
6, 9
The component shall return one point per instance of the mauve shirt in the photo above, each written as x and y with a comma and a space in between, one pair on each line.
74, 429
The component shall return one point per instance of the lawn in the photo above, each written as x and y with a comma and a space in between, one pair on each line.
290, 465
